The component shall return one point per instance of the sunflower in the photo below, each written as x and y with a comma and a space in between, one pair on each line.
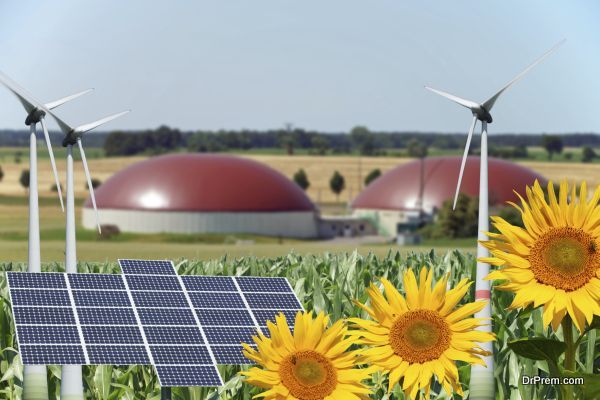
422, 335
555, 260
313, 363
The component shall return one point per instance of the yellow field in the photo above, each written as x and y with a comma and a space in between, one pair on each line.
319, 170
13, 218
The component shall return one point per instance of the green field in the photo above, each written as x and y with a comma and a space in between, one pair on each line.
324, 283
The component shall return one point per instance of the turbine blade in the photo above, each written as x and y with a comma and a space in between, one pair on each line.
89, 182
60, 102
489, 103
27, 100
47, 136
463, 102
464, 160
64, 127
95, 124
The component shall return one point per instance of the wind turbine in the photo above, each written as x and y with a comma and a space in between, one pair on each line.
482, 378
72, 383
35, 382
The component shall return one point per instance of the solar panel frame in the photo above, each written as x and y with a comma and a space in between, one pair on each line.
220, 327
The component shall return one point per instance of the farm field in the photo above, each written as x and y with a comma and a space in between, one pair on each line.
318, 168
323, 283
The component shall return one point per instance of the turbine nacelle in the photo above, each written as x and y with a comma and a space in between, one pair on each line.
35, 117
482, 114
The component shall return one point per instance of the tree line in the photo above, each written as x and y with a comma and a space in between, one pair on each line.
360, 139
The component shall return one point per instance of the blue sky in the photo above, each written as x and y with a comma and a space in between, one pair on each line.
324, 65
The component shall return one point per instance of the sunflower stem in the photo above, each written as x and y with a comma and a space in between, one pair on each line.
569, 362
567, 325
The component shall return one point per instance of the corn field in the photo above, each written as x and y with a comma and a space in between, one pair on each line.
327, 283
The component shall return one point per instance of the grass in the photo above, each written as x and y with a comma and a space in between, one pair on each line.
326, 282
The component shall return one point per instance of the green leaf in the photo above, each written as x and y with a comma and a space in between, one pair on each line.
591, 384
538, 348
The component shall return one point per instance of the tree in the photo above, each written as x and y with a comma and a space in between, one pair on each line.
337, 183
552, 144
588, 154
301, 179
288, 142
320, 144
461, 222
416, 149
1, 174
371, 176
363, 140
95, 183
24, 179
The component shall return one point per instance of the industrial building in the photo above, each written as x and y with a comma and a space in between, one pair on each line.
204, 193
399, 199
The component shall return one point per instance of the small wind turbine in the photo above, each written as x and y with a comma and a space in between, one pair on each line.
72, 383
34, 376
482, 378
73, 136
36, 112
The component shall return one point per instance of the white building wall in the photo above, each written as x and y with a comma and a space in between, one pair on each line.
299, 224
386, 221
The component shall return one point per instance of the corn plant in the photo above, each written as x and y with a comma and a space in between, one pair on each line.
327, 282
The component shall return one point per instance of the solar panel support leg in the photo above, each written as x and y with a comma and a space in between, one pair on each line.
165, 393
72, 383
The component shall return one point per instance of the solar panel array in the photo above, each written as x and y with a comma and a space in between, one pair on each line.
183, 325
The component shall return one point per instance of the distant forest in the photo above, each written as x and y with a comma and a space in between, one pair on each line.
359, 139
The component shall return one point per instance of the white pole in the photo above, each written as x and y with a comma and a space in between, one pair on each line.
34, 264
481, 386
35, 380
70, 251
71, 387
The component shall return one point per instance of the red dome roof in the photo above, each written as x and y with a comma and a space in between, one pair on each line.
398, 189
200, 182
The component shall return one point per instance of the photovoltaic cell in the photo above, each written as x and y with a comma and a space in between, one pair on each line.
216, 300
40, 297
227, 355
106, 316
142, 282
101, 298
52, 354
176, 355
173, 335
112, 334
196, 375
209, 283
159, 299
44, 315
256, 284
224, 317
262, 316
230, 335
147, 267
149, 313
56, 334
39, 280
118, 355
166, 316
274, 301
96, 281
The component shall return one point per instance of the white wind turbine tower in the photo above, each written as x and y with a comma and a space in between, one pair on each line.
35, 379
482, 378
72, 381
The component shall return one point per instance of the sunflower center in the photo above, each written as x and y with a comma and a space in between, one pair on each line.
419, 336
565, 258
308, 375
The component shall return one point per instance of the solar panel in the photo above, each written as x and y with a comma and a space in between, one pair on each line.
183, 325
147, 267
